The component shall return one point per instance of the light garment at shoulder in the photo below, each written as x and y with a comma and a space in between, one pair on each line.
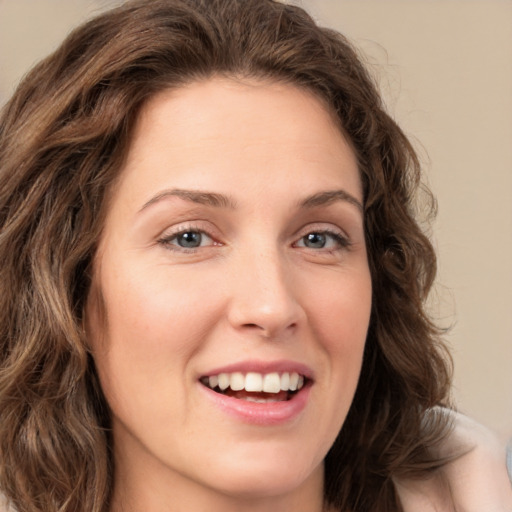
4, 506
478, 480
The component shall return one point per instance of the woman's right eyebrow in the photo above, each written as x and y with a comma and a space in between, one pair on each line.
195, 196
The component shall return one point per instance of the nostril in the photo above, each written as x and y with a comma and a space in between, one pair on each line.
261, 330
269, 331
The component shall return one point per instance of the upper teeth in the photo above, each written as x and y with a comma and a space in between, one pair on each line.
256, 382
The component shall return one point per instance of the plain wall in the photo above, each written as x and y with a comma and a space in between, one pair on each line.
445, 68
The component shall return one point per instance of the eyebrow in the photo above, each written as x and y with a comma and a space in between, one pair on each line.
194, 196
222, 201
330, 196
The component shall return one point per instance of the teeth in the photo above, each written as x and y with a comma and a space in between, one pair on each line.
223, 381
285, 382
294, 381
271, 383
260, 400
237, 381
256, 382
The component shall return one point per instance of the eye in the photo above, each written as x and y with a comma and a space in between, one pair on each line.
323, 240
187, 239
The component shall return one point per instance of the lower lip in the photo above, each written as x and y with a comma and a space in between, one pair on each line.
270, 413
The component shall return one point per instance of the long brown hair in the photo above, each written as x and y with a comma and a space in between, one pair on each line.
63, 136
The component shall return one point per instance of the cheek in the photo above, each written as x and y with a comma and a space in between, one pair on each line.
341, 310
157, 318
156, 311
340, 315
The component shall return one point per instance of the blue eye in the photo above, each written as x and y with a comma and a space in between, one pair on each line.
188, 239
315, 240
323, 240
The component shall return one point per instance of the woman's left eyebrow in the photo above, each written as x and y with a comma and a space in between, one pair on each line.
194, 196
330, 196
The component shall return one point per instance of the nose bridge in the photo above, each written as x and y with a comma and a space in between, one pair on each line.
263, 297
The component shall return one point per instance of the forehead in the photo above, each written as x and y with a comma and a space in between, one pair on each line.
255, 131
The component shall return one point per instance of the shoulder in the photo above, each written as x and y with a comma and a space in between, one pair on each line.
4, 506
478, 478
474, 481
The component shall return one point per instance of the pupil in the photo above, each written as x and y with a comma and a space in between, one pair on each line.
190, 239
315, 240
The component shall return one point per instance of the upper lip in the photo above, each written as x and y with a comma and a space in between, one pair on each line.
264, 367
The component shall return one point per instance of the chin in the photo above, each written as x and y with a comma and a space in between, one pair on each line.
272, 477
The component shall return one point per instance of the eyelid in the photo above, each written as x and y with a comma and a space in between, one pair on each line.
322, 227
171, 234
339, 235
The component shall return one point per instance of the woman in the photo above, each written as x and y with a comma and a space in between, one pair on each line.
214, 282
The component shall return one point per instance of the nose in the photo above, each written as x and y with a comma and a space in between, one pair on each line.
264, 299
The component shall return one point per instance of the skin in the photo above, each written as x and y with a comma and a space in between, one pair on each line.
254, 289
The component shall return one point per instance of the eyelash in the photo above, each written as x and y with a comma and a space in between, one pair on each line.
167, 240
342, 242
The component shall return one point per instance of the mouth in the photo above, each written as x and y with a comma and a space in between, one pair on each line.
257, 387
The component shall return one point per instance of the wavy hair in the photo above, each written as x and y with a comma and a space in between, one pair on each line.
63, 137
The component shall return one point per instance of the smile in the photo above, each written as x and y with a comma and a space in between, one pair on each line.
256, 387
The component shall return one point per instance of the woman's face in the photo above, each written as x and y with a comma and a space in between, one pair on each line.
233, 255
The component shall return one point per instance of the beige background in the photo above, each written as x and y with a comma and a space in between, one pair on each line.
445, 67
